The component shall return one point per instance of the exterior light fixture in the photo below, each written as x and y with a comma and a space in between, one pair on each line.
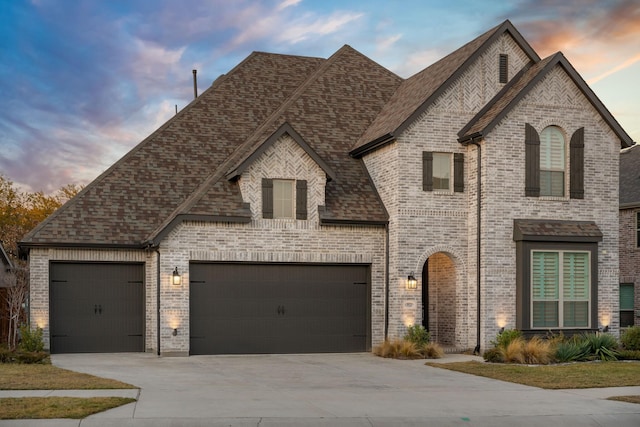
501, 330
175, 332
412, 283
606, 328
176, 279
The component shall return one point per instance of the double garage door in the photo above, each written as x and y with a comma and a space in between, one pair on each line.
278, 308
234, 308
96, 307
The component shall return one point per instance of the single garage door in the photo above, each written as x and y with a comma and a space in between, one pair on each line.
96, 307
278, 308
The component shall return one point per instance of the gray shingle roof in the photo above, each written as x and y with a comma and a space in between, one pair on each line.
520, 85
417, 92
630, 177
180, 170
556, 230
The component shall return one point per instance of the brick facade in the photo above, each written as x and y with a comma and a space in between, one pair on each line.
630, 254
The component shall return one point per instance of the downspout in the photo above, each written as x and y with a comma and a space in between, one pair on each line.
386, 285
478, 242
158, 299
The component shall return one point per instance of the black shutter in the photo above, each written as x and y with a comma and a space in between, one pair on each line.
267, 198
504, 68
532, 161
576, 164
301, 199
458, 172
427, 171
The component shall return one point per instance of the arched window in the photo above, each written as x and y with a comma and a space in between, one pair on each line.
552, 162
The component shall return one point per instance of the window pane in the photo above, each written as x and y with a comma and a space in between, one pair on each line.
575, 267
626, 319
441, 171
551, 149
576, 314
282, 199
545, 314
626, 296
552, 162
545, 275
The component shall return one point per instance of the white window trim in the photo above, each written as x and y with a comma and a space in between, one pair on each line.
560, 291
566, 171
293, 198
448, 191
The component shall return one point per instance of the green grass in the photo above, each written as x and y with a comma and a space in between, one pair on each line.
49, 377
574, 375
57, 407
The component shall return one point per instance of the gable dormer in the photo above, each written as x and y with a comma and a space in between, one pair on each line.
284, 178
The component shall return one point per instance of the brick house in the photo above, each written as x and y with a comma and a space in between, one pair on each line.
630, 236
320, 205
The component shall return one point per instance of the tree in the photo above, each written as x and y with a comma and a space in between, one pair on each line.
20, 212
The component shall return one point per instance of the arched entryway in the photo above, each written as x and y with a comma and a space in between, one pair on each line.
439, 298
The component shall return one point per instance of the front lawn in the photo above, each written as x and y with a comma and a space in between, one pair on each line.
565, 376
57, 407
49, 377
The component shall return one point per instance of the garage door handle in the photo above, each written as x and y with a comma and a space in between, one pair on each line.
279, 309
97, 309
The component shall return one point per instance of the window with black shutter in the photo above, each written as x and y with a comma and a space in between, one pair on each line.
442, 171
576, 165
280, 201
532, 161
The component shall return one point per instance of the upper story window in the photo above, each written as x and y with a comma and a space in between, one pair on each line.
546, 163
284, 198
442, 171
504, 68
552, 162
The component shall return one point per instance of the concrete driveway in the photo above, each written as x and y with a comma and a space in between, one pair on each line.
333, 389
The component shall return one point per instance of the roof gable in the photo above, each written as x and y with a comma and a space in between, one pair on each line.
5, 258
418, 92
282, 130
520, 86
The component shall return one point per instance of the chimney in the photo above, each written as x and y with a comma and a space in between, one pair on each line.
195, 84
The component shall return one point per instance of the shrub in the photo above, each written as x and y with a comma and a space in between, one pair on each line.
418, 335
514, 351
537, 351
493, 355
629, 355
431, 350
630, 338
397, 349
602, 346
504, 338
571, 351
31, 339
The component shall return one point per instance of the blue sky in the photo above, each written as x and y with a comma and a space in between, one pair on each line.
82, 82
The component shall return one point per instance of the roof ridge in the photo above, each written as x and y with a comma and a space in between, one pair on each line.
227, 164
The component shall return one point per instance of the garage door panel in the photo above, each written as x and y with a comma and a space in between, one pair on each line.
271, 308
96, 307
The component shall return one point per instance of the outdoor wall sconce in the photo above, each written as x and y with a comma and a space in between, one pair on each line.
412, 283
176, 279
605, 329
501, 330
175, 332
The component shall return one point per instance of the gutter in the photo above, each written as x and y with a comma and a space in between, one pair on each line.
386, 284
478, 244
158, 298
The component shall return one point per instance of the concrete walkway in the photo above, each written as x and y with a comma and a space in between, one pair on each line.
326, 390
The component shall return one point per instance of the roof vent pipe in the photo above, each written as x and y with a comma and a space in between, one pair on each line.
195, 84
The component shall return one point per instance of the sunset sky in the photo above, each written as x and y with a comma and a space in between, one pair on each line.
83, 82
